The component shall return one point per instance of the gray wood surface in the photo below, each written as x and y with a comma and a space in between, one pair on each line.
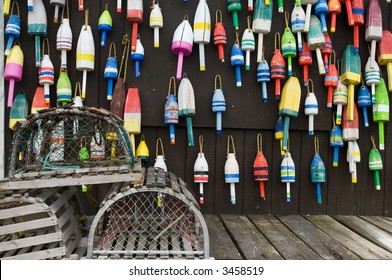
354, 242
321, 243
253, 245
283, 240
381, 222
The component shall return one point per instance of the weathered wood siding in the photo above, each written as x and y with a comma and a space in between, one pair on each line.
246, 114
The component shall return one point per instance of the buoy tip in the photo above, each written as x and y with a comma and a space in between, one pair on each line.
202, 68
265, 100
118, 10
335, 164
156, 45
333, 29
219, 132
239, 84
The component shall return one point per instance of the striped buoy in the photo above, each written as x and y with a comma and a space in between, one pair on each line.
12, 29
171, 109
46, 71
220, 39
39, 102
263, 76
334, 9
248, 44
85, 52
19, 109
156, 22
305, 60
105, 23
64, 40
278, 66
321, 10
351, 134
316, 41
202, 30
326, 51
135, 16
63, 89
160, 158
375, 164
237, 60
340, 99
37, 27
381, 111
298, 22
232, 169
331, 80
364, 101
287, 173
262, 21
336, 142
218, 104
311, 106
13, 71
200, 170
138, 56
133, 115
234, 7
317, 170
111, 70
289, 47
372, 77
260, 166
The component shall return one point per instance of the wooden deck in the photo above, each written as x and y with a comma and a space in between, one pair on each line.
300, 237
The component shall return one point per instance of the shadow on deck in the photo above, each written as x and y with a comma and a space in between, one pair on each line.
300, 237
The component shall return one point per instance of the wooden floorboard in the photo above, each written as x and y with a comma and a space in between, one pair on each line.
357, 244
321, 243
367, 230
221, 245
252, 244
285, 242
381, 222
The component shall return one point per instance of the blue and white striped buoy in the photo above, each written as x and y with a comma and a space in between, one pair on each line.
218, 104
263, 76
237, 61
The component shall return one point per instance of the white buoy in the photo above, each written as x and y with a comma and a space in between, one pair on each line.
160, 158
156, 22
64, 41
202, 30
200, 170
85, 52
311, 107
232, 170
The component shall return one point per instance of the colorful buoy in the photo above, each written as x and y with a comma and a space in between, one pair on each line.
375, 164
12, 29
137, 56
46, 71
135, 16
381, 111
331, 79
321, 10
111, 70
351, 134
263, 76
202, 30
385, 54
317, 170
336, 142
316, 41
218, 104
232, 169
182, 43
262, 20
19, 109
160, 158
359, 20
311, 106
278, 66
372, 77
340, 99
186, 106
39, 102
305, 60
200, 170
63, 89
287, 173
13, 71
220, 39
260, 166
234, 7
105, 23
64, 40
373, 31
37, 26
248, 44
334, 9
156, 22
133, 115
364, 101
326, 51
171, 109
308, 4
298, 22
237, 60
289, 48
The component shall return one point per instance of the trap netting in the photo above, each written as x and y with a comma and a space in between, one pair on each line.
69, 138
148, 222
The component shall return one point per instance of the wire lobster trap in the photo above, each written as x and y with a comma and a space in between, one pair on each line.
159, 220
69, 138
40, 224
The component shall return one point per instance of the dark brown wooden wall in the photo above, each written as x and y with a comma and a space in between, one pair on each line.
246, 114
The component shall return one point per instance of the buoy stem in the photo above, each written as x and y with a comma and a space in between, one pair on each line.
329, 97
326, 62
373, 92
179, 65
11, 93
349, 13
30, 5
277, 88
110, 89
47, 93
335, 156
156, 36
372, 53
319, 200
84, 82
235, 20
135, 26
103, 40
6, 7
311, 124
262, 190
365, 117
307, 17
339, 114
281, 145
221, 53
289, 66
264, 89
299, 41
56, 14
280, 6
119, 4
320, 62
356, 38
172, 134
238, 76
247, 60
63, 59
37, 50
389, 71
306, 74
232, 193
377, 180
260, 47
288, 195
80, 5
350, 102
10, 43
218, 123
202, 59
201, 190
133, 143
323, 22
285, 132
333, 23
381, 135
137, 68
191, 141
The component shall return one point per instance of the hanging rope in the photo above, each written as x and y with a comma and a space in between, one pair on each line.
259, 143
334, 57
316, 146
159, 141
218, 16
373, 142
286, 18
45, 42
228, 145
277, 42
237, 41
172, 81
112, 47
249, 19
310, 81
201, 142
333, 120
339, 61
218, 77
17, 7
77, 90
124, 59
86, 19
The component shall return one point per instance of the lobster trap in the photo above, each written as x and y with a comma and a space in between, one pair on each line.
69, 138
158, 220
40, 224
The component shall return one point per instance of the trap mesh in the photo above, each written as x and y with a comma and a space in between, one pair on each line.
69, 138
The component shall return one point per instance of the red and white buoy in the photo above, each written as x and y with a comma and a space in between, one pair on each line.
57, 4
135, 16
232, 169
85, 52
200, 170
46, 71
260, 166
64, 39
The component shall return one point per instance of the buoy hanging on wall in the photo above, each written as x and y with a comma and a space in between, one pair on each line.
317, 169
202, 30
13, 71
335, 141
334, 9
364, 101
138, 56
278, 66
232, 169
375, 164
111, 70
234, 7
248, 44
64, 38
186, 106
218, 104
262, 21
311, 106
57, 4
156, 21
298, 22
160, 158
316, 41
373, 31
63, 89
381, 111
200, 170
289, 48
12, 29
182, 43
326, 51
237, 60
263, 76
331, 79
351, 75
37, 26
135, 16
85, 52
133, 115
220, 39
19, 109
46, 71
305, 60
80, 5
260, 166
289, 105
384, 53
359, 20
105, 23
321, 10
171, 109
308, 4
39, 102
119, 6
287, 172
142, 151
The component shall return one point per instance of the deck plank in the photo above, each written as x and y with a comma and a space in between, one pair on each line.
285, 242
321, 243
367, 230
253, 245
381, 222
357, 244
221, 246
